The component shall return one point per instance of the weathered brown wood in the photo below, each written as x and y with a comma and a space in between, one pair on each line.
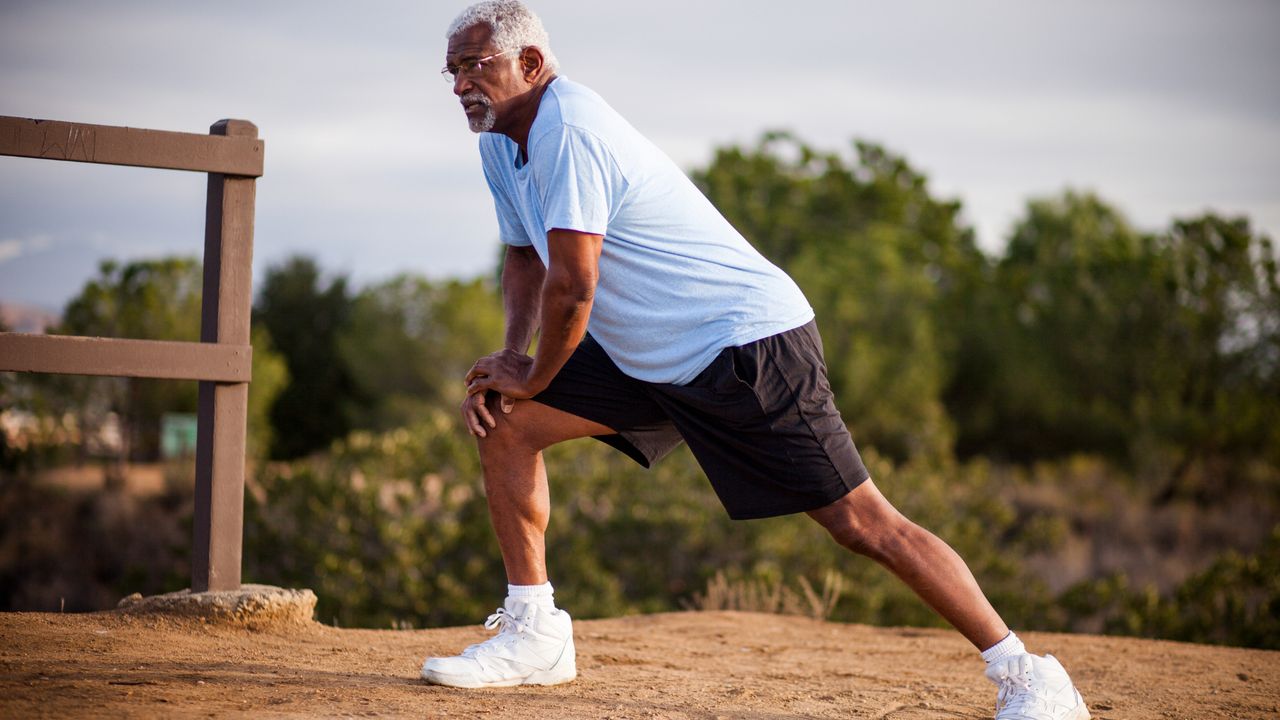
23, 352
220, 445
231, 154
218, 524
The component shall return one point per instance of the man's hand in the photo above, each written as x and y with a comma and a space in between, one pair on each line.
476, 415
562, 293
504, 373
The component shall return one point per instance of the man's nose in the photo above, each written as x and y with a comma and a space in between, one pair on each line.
461, 84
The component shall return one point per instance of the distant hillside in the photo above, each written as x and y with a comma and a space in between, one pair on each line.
26, 318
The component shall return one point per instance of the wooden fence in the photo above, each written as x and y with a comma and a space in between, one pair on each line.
232, 156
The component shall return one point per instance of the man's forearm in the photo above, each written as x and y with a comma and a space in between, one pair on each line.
522, 279
567, 295
555, 299
566, 308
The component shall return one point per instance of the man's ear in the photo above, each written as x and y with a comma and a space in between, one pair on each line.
531, 64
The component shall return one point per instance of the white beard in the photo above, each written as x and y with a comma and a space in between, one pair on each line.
485, 122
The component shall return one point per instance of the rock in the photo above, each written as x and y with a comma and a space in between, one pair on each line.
257, 607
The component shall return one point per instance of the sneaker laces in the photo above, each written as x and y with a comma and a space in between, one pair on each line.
509, 629
1016, 693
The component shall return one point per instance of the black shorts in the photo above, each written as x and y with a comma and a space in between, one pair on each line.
760, 419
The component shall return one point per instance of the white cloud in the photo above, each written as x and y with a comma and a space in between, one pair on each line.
10, 249
13, 248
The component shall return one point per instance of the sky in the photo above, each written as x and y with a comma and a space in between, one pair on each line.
1166, 108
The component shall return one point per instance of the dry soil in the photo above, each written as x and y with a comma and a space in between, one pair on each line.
679, 665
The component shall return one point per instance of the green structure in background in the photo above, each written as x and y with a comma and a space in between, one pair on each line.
177, 435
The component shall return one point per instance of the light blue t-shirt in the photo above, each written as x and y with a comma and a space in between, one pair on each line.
677, 284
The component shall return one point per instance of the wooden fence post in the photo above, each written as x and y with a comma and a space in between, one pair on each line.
226, 306
232, 155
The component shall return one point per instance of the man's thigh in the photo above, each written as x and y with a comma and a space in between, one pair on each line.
763, 424
541, 426
620, 408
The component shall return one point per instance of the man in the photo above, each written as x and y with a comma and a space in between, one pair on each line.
657, 323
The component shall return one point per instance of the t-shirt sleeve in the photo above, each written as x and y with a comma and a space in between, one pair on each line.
510, 228
578, 180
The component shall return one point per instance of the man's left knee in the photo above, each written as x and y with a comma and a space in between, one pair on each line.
511, 432
864, 521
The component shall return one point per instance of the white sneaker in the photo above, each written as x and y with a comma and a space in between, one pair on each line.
1035, 688
534, 646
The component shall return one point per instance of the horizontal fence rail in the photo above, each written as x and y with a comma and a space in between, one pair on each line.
231, 154
111, 145
70, 355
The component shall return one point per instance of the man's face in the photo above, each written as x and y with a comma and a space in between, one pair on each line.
488, 94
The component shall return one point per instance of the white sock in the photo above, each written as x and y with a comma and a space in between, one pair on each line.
542, 595
1007, 647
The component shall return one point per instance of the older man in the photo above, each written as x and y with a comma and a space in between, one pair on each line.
657, 324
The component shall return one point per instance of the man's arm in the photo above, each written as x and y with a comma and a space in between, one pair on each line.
568, 293
562, 306
522, 276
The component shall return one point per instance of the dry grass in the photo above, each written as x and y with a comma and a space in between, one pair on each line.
771, 596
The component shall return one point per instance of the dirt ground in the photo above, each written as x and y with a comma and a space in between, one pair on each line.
678, 665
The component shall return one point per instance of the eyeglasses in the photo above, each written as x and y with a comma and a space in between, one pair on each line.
468, 68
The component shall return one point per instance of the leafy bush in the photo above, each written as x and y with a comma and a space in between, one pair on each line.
1236, 601
392, 529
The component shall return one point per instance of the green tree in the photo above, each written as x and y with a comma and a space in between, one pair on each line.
270, 376
889, 269
1222, 398
410, 342
1075, 304
305, 317
1157, 350
145, 300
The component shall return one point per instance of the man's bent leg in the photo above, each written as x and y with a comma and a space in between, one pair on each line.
865, 522
534, 643
515, 481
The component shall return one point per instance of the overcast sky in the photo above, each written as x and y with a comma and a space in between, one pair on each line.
1164, 107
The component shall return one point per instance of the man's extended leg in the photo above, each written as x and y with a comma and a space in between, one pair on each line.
865, 522
534, 644
1030, 687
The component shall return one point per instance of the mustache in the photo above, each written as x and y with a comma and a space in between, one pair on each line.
475, 97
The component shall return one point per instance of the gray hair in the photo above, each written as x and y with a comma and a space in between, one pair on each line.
514, 26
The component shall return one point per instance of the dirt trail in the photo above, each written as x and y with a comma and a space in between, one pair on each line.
679, 665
